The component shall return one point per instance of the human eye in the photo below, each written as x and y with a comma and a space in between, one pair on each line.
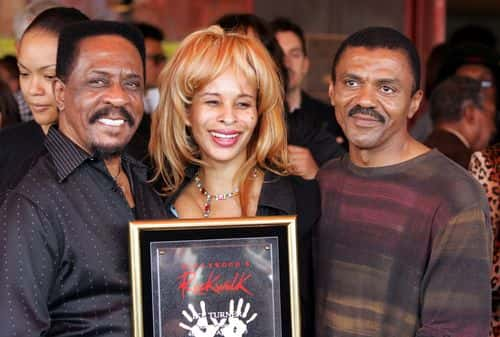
211, 102
244, 104
23, 74
387, 89
133, 84
351, 83
49, 77
97, 82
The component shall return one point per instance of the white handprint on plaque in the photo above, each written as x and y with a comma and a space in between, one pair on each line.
201, 328
236, 324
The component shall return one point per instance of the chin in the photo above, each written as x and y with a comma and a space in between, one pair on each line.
108, 151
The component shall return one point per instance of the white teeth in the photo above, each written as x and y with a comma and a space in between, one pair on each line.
111, 122
222, 135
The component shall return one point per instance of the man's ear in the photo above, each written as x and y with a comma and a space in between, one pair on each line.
305, 65
331, 92
469, 111
416, 99
59, 88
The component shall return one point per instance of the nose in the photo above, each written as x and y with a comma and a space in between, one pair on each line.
227, 115
35, 86
366, 97
116, 95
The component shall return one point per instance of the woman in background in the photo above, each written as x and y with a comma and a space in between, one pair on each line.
485, 167
37, 53
219, 144
9, 111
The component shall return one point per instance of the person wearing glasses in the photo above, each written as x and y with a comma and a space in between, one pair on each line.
155, 60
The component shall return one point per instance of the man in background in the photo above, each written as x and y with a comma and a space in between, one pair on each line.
291, 39
155, 61
464, 118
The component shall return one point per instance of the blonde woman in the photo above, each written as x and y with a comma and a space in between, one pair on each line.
219, 140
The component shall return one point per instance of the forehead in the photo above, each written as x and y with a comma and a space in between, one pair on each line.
288, 39
109, 51
152, 44
476, 71
394, 61
38, 47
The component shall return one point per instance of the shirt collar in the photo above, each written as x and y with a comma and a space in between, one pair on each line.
67, 156
458, 135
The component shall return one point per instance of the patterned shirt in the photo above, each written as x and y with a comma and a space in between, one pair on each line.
404, 250
24, 109
64, 266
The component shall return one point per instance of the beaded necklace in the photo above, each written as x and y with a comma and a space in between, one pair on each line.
209, 197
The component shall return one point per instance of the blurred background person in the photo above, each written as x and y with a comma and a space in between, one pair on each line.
309, 146
219, 141
155, 61
21, 145
9, 112
464, 118
291, 39
485, 167
9, 72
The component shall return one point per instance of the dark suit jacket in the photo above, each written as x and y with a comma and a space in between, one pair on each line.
450, 145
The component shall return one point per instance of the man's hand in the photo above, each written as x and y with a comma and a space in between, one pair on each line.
302, 163
201, 328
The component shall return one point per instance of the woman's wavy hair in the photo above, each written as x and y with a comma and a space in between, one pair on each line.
201, 57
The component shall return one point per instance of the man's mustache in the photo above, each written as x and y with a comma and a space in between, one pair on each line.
366, 111
112, 111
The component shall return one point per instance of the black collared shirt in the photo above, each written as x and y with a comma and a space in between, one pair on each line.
64, 245
20, 146
314, 126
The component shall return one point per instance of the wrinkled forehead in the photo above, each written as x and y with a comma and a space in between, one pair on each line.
110, 51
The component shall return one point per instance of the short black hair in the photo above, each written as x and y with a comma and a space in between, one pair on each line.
382, 37
54, 19
72, 35
149, 31
470, 53
9, 63
282, 24
473, 34
450, 97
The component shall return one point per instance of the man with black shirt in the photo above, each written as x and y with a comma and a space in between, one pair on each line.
292, 40
64, 254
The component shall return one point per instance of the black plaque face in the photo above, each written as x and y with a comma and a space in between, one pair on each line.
219, 287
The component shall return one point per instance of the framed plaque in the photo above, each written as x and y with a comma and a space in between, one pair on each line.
229, 277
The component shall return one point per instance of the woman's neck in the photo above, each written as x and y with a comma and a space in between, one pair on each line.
218, 180
45, 128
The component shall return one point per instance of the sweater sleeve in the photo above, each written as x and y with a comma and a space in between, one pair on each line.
455, 292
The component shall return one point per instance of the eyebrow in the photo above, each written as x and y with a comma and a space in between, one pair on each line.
217, 94
41, 68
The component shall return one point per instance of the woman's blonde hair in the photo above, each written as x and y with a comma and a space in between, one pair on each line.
201, 57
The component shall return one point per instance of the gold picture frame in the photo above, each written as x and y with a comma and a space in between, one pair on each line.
215, 277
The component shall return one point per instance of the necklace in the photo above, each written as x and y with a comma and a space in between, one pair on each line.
115, 178
209, 197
